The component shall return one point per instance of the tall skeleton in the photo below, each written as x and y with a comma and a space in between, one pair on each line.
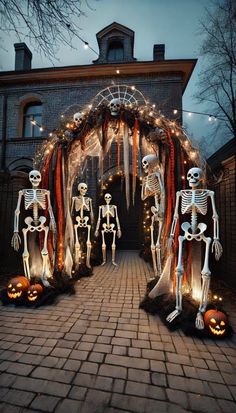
153, 186
35, 199
108, 211
82, 204
194, 201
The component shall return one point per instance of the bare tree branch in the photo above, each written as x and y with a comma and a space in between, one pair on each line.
46, 24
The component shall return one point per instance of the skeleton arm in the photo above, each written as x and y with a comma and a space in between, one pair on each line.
98, 221
118, 223
216, 245
73, 203
91, 211
175, 220
162, 195
52, 219
143, 192
16, 241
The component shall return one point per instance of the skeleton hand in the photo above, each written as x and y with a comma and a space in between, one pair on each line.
96, 234
218, 249
16, 241
170, 243
119, 233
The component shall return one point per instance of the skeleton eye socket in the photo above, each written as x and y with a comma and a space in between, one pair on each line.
196, 175
212, 320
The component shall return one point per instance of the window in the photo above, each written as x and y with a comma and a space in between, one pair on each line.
115, 51
32, 120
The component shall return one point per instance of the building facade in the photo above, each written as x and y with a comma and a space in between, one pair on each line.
44, 95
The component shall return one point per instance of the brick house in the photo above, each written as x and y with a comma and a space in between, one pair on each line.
44, 94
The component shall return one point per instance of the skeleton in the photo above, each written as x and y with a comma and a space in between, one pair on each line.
194, 201
108, 211
82, 204
153, 186
115, 106
35, 199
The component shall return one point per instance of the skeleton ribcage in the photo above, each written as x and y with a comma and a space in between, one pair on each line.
79, 204
35, 196
152, 184
110, 210
194, 199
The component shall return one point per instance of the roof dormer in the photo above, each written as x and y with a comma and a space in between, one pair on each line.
116, 44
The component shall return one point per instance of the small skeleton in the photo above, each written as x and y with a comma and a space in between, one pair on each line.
153, 186
82, 204
194, 201
35, 199
108, 211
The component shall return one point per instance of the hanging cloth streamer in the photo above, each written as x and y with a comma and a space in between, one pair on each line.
164, 282
135, 131
60, 213
126, 163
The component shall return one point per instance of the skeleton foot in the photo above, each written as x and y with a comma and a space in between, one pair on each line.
173, 315
199, 323
114, 263
103, 263
45, 282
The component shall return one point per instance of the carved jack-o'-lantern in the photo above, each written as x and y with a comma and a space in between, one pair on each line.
17, 287
216, 322
34, 292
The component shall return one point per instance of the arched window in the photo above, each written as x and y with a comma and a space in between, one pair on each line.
115, 51
32, 120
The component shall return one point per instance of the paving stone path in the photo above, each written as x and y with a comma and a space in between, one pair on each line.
98, 352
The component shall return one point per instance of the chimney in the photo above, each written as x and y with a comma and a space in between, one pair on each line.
159, 52
23, 57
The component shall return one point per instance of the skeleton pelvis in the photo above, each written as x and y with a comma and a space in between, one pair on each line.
31, 225
108, 228
82, 222
197, 235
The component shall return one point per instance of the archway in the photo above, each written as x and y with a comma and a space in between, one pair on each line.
136, 129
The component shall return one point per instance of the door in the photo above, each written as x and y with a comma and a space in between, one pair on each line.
130, 220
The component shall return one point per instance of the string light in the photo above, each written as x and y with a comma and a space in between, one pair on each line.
86, 45
117, 71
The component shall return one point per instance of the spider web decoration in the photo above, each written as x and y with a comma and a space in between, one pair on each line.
128, 95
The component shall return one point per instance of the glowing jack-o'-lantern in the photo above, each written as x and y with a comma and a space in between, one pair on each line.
34, 292
17, 287
216, 322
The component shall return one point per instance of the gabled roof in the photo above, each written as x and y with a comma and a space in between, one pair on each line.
114, 26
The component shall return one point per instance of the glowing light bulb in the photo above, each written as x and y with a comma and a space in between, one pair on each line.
190, 114
117, 71
86, 45
175, 111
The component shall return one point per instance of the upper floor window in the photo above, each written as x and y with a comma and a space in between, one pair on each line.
115, 51
32, 120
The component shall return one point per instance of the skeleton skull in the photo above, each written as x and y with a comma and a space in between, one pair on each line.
77, 118
194, 177
82, 188
149, 162
108, 198
115, 106
35, 177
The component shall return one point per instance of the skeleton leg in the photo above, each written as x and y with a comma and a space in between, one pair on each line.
113, 248
153, 249
199, 323
179, 275
25, 254
158, 246
44, 254
77, 245
89, 246
103, 248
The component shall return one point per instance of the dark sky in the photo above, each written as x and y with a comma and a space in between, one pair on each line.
173, 22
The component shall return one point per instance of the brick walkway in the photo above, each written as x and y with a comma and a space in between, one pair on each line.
97, 352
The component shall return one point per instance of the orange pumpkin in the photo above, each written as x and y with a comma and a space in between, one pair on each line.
216, 322
17, 287
34, 292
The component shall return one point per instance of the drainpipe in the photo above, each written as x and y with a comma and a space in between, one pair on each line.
4, 133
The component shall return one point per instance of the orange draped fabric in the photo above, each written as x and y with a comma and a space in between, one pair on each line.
135, 157
60, 213
45, 184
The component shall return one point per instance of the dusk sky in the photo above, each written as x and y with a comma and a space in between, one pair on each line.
175, 23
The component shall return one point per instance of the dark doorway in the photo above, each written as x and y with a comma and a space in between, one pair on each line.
130, 220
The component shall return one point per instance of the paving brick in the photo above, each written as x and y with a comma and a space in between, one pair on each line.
20, 369
44, 386
203, 404
126, 334
178, 397
85, 346
119, 350
96, 357
102, 348
88, 367
54, 362
134, 352
78, 393
103, 383
178, 359
18, 397
139, 376
45, 403
61, 352
226, 406
189, 385
31, 359
153, 354
112, 371
62, 376
73, 365
157, 366
6, 379
97, 398
127, 361
159, 379
175, 369
121, 341
79, 354
84, 380
68, 405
